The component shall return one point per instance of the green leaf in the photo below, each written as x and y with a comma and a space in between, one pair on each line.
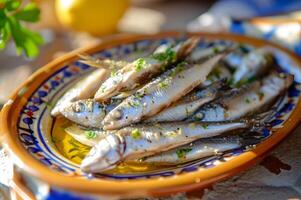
25, 40
12, 5
30, 13
4, 36
36, 37
3, 19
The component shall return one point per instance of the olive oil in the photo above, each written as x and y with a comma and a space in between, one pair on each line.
65, 144
76, 151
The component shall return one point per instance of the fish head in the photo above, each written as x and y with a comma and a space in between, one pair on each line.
86, 112
104, 155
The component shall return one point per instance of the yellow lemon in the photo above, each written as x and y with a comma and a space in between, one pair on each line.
98, 17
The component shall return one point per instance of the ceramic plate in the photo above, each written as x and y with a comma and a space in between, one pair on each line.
27, 123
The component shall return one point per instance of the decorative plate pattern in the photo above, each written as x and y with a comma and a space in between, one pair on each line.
34, 125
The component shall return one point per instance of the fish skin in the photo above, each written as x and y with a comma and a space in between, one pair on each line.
84, 89
199, 149
87, 112
102, 63
80, 134
245, 101
219, 72
254, 64
128, 77
200, 54
123, 145
153, 97
188, 104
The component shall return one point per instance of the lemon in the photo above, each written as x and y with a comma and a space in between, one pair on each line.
97, 17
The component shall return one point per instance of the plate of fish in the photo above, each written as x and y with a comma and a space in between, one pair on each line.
153, 114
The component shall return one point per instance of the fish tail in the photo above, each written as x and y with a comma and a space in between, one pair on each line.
187, 46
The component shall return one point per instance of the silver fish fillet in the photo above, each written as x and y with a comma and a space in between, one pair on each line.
255, 97
102, 63
84, 89
143, 69
255, 63
159, 94
89, 137
200, 54
199, 149
186, 106
88, 112
144, 140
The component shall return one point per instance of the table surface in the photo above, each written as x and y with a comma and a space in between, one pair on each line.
278, 176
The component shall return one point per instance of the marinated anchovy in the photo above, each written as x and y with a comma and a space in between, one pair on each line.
88, 112
102, 63
89, 137
186, 106
200, 54
159, 94
144, 140
255, 63
245, 101
82, 90
144, 69
199, 149
235, 58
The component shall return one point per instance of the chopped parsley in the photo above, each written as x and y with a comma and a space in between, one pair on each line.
169, 55
216, 50
243, 81
178, 68
163, 84
247, 100
136, 134
114, 72
90, 134
197, 118
181, 153
205, 126
139, 64
134, 103
216, 72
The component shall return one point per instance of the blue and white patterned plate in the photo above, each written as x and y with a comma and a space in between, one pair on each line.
34, 124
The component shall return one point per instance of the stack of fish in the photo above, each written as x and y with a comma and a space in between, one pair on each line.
173, 106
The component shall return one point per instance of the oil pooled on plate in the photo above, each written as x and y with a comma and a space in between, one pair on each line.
76, 151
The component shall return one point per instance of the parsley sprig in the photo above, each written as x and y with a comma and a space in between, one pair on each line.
13, 16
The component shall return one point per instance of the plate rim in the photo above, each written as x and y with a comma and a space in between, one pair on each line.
154, 186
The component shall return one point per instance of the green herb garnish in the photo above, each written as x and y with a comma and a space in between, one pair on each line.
205, 126
247, 100
90, 134
113, 73
169, 55
181, 153
12, 17
216, 50
163, 84
134, 103
136, 134
139, 64
216, 72
178, 68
